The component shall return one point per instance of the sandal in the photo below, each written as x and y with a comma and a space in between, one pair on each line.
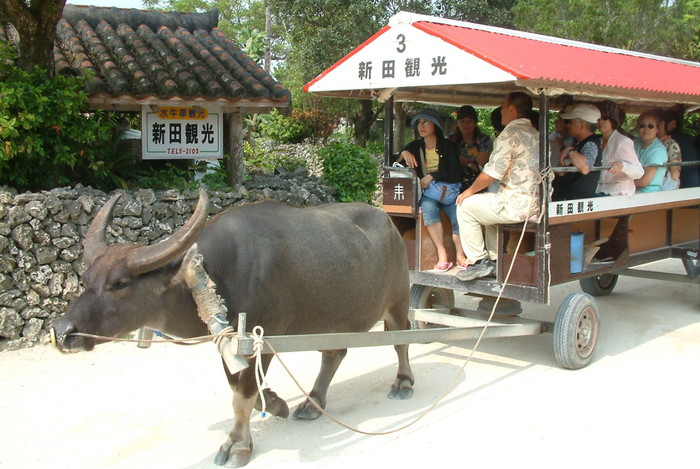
462, 265
443, 267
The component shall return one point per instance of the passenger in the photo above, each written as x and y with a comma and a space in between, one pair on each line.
535, 119
474, 146
618, 153
673, 174
497, 129
584, 155
560, 138
690, 175
496, 121
436, 160
651, 153
514, 161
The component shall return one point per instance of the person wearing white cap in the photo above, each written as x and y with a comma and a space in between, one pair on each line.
584, 155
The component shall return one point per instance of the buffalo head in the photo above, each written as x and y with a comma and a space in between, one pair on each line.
127, 285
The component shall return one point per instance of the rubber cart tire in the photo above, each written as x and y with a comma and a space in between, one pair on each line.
426, 297
600, 285
576, 331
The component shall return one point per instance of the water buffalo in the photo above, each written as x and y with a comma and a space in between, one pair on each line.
332, 268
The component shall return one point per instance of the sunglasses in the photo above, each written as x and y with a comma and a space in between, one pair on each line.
648, 126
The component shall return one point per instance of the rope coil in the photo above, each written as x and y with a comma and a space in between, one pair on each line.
258, 345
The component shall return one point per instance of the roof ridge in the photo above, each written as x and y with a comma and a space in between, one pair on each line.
406, 17
134, 18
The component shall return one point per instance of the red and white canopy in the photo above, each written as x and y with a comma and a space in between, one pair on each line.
429, 59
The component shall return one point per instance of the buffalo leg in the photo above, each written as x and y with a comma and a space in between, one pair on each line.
235, 452
330, 362
397, 319
274, 404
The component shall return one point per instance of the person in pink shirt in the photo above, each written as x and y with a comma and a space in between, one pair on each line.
618, 153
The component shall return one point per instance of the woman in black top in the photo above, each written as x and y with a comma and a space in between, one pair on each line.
435, 159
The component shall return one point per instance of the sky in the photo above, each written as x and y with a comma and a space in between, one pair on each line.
109, 3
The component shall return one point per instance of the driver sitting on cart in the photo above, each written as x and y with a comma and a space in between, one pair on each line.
515, 163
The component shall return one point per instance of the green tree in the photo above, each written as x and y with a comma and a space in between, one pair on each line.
653, 26
35, 23
491, 12
320, 32
243, 21
49, 138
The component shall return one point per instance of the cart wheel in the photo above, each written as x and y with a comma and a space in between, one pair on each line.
425, 297
600, 285
576, 331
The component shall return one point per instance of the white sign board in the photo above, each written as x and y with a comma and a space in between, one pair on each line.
405, 56
174, 132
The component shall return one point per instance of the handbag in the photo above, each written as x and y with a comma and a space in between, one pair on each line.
444, 192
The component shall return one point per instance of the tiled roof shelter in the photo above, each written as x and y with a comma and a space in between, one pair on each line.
155, 59
149, 57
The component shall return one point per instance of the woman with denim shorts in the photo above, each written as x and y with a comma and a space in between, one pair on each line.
435, 159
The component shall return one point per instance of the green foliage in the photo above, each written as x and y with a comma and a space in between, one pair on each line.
213, 175
283, 129
300, 125
48, 138
183, 175
252, 41
375, 147
491, 12
351, 170
654, 26
257, 160
115, 165
242, 20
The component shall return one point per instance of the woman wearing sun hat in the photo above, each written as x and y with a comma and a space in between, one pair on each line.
436, 160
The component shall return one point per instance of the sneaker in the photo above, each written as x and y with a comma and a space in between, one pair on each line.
482, 268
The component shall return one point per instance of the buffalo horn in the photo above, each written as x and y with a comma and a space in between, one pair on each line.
95, 238
148, 258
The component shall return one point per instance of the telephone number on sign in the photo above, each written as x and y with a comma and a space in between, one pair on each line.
183, 151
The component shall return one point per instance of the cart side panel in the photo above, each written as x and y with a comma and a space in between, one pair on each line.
407, 229
685, 225
427, 250
648, 231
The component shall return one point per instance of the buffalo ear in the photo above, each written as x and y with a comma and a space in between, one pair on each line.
94, 243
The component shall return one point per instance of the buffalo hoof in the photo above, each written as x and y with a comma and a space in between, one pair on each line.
274, 404
307, 411
233, 454
402, 389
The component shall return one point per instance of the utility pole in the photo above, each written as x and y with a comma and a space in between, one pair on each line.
268, 40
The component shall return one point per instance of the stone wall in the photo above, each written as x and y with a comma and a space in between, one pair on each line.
41, 239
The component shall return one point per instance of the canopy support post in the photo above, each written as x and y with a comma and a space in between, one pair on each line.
542, 232
388, 130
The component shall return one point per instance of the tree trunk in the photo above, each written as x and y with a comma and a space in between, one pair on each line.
399, 126
362, 121
36, 28
233, 143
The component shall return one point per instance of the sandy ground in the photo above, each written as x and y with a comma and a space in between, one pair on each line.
635, 405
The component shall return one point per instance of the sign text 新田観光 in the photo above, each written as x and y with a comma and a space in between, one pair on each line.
182, 133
